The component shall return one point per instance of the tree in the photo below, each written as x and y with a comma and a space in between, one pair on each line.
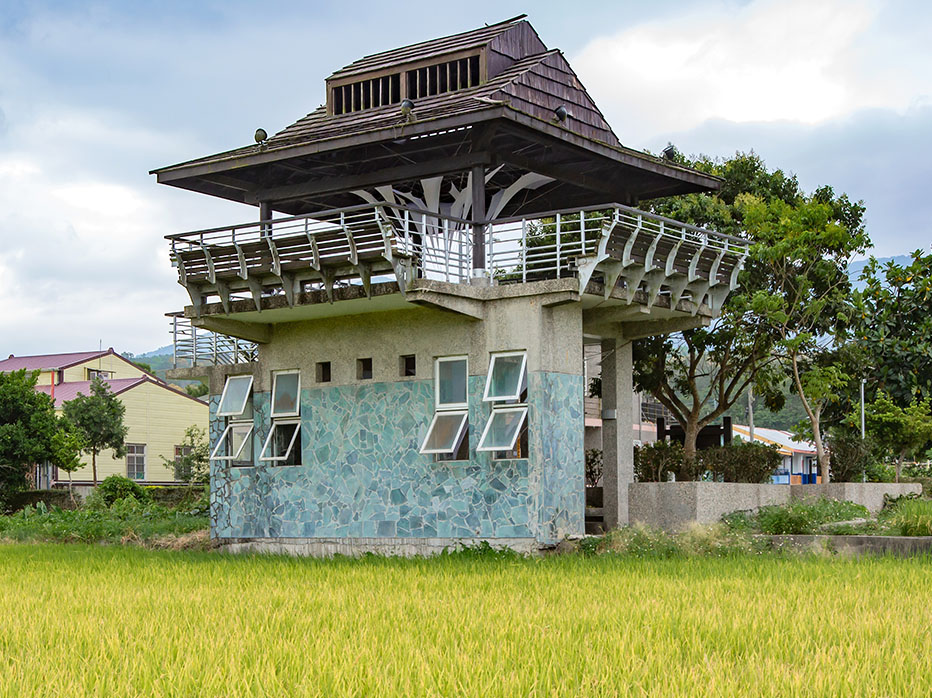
900, 431
193, 465
99, 416
804, 250
198, 389
65, 452
699, 374
893, 326
27, 423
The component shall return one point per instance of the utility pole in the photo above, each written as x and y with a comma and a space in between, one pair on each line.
863, 432
751, 411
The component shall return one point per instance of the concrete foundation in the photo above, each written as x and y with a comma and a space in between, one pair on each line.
674, 505
355, 547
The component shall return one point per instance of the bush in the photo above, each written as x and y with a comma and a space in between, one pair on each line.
741, 462
656, 462
913, 517
851, 457
805, 516
117, 487
593, 466
51, 498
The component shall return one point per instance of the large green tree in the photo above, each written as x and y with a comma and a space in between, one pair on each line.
893, 326
27, 423
900, 431
65, 450
99, 417
699, 374
804, 250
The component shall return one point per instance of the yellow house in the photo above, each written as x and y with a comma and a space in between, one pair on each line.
156, 417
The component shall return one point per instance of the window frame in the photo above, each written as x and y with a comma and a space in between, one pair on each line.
222, 441
488, 426
223, 395
268, 440
449, 405
135, 455
297, 410
460, 432
488, 380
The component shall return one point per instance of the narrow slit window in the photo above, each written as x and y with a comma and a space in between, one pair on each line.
283, 444
323, 372
286, 391
235, 395
235, 443
507, 377
407, 365
446, 432
450, 377
363, 369
503, 428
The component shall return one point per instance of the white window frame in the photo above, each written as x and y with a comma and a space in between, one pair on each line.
268, 440
136, 455
223, 396
223, 439
521, 382
464, 423
449, 405
488, 425
297, 410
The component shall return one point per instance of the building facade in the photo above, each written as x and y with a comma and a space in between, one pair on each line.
436, 245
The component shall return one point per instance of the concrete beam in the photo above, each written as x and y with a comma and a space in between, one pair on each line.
639, 330
251, 331
461, 305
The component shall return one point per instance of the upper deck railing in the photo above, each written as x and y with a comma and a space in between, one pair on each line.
621, 246
195, 346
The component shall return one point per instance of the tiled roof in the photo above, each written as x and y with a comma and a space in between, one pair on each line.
69, 391
427, 49
49, 362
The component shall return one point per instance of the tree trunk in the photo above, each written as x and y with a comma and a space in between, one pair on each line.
70, 488
899, 465
691, 434
821, 453
94, 465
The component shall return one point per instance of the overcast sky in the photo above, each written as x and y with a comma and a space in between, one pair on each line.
94, 95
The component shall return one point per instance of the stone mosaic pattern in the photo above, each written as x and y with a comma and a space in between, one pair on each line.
362, 477
555, 404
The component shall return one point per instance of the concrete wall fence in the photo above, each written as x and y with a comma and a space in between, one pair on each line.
674, 505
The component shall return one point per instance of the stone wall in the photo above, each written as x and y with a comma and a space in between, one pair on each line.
674, 505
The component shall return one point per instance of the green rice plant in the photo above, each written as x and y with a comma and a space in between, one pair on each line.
87, 620
912, 517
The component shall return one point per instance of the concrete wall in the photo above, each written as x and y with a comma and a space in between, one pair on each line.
361, 476
674, 505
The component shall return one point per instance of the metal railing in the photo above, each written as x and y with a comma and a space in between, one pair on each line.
194, 346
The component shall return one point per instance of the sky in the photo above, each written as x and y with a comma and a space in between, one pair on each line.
93, 95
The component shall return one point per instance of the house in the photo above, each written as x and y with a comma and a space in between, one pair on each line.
435, 245
800, 465
157, 414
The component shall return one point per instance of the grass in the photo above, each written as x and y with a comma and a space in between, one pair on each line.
797, 517
114, 621
912, 517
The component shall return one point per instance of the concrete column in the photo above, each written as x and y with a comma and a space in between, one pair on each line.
617, 430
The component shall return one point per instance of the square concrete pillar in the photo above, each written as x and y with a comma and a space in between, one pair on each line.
617, 430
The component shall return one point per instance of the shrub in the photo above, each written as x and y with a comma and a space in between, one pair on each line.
117, 487
51, 498
593, 466
741, 462
657, 461
851, 457
913, 517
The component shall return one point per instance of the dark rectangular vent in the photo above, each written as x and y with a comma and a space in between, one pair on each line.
443, 77
365, 94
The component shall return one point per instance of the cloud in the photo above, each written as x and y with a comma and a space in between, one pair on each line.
768, 60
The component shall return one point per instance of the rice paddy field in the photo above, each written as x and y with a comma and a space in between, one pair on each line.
80, 620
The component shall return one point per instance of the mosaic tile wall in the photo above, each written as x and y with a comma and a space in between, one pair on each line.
363, 477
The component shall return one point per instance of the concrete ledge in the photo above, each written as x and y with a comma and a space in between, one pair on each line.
853, 546
354, 547
674, 505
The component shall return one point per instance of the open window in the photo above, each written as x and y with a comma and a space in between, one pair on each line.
507, 376
235, 396
283, 444
286, 394
506, 432
503, 429
448, 434
235, 444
